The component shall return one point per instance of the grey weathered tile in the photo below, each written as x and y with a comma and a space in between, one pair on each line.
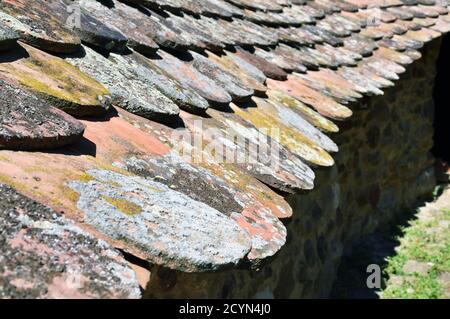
146, 70
39, 25
185, 234
44, 255
30, 123
128, 90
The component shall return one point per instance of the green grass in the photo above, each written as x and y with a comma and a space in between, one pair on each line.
423, 241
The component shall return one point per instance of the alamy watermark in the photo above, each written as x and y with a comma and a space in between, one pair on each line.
73, 20
374, 279
199, 144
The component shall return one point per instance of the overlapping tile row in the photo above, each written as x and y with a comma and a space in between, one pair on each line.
146, 72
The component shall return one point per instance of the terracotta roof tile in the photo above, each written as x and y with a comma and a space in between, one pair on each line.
40, 25
264, 5
324, 105
255, 83
233, 85
147, 71
284, 71
44, 254
188, 76
306, 112
233, 175
327, 86
290, 175
269, 69
65, 86
135, 25
148, 157
28, 122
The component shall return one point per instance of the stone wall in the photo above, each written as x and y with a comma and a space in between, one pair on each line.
383, 167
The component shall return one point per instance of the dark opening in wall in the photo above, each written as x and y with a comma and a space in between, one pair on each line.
442, 103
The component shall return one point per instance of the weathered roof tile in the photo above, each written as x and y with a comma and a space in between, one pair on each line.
441, 26
214, 29
121, 22
196, 36
188, 76
283, 61
292, 130
393, 55
360, 44
235, 177
134, 203
29, 123
335, 90
325, 35
268, 68
45, 255
128, 90
143, 217
227, 81
40, 25
240, 72
8, 37
306, 112
145, 69
321, 103
57, 81
147, 157
278, 168
264, 5
141, 191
